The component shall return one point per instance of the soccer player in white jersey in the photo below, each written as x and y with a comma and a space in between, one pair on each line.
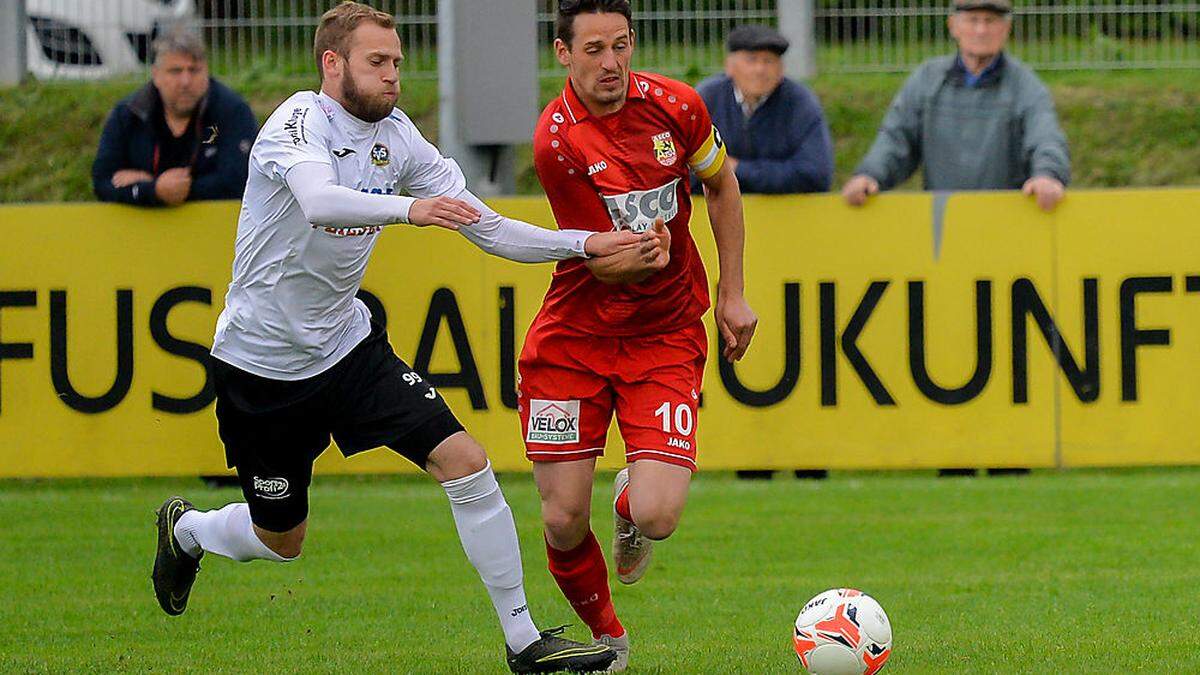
296, 357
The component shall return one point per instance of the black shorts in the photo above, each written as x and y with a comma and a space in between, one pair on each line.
273, 430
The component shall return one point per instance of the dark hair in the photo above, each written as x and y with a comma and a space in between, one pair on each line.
564, 27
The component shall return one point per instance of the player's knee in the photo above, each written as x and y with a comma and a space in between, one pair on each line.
457, 456
658, 525
287, 545
565, 523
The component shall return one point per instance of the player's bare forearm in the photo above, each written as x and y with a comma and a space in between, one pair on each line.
734, 318
724, 199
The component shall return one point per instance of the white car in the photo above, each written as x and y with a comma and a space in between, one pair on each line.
87, 39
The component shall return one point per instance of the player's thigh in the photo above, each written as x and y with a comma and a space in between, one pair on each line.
565, 404
379, 400
658, 396
273, 452
658, 415
275, 475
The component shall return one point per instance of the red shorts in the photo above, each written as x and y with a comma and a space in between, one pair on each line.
570, 383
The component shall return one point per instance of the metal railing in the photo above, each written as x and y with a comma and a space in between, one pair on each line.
870, 35
682, 38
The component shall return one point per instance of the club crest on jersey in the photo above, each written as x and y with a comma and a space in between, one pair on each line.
664, 148
380, 155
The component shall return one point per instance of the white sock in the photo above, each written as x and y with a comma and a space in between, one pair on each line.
489, 538
226, 531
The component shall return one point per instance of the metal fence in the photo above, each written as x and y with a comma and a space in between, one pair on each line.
684, 38
864, 36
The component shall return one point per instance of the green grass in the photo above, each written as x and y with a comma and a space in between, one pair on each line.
1055, 572
1126, 129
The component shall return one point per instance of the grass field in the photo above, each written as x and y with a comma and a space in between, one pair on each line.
1050, 573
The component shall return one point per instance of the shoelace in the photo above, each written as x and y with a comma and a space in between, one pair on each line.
631, 538
557, 630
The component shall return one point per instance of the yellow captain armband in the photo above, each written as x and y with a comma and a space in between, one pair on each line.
709, 159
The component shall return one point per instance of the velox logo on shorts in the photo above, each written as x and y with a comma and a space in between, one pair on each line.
553, 422
637, 210
271, 488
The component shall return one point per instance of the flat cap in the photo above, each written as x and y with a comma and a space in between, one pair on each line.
755, 37
1001, 6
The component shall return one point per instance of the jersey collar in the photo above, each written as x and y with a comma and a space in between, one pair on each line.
578, 112
350, 122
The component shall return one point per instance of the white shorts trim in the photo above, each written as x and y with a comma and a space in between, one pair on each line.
685, 458
563, 452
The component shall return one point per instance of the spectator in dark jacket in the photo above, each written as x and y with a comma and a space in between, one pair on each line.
774, 131
184, 136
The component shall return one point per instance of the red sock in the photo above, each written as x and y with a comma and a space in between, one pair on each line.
583, 578
623, 505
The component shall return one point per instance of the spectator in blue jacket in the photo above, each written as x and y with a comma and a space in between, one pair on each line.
775, 133
184, 136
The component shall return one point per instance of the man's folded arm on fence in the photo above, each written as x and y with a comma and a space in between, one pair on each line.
111, 157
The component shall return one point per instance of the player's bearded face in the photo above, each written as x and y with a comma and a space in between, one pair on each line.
366, 106
370, 74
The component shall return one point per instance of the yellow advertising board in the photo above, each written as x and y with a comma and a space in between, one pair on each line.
921, 331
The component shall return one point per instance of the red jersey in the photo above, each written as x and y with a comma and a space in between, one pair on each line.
623, 170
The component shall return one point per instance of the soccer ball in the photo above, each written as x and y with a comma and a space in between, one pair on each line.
842, 632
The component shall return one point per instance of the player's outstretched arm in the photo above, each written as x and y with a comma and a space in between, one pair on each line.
522, 242
636, 264
735, 320
326, 203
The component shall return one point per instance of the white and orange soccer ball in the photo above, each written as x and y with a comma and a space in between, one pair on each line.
843, 632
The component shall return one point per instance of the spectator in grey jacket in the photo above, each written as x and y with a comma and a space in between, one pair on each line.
979, 120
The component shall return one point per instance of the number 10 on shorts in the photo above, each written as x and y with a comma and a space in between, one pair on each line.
681, 416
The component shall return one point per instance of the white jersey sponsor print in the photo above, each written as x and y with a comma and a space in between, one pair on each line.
638, 209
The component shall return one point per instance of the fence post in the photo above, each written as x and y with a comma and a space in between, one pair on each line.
797, 21
487, 81
13, 62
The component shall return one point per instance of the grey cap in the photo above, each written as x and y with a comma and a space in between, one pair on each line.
755, 37
1001, 6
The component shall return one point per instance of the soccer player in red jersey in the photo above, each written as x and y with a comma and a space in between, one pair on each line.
623, 334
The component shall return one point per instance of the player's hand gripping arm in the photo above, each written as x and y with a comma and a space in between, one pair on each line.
735, 320
635, 264
522, 242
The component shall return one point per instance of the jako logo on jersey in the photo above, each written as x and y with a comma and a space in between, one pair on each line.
664, 148
271, 488
597, 167
637, 210
553, 422
380, 155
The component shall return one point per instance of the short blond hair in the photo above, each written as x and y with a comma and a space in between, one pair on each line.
336, 26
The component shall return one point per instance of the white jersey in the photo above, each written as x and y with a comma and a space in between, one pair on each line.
290, 312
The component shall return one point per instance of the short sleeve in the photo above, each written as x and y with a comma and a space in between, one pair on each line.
297, 132
706, 149
426, 172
